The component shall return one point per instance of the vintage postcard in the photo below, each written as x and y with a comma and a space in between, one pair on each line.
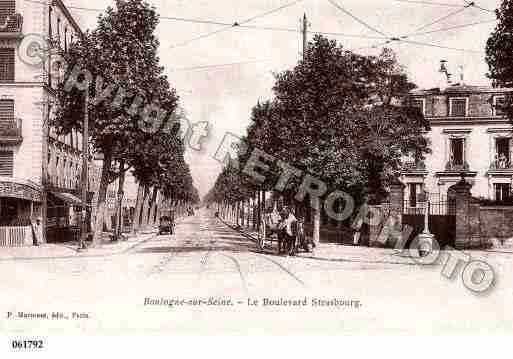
256, 167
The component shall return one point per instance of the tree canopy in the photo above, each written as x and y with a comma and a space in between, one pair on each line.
340, 116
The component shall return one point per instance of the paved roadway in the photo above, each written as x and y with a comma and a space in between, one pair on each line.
205, 259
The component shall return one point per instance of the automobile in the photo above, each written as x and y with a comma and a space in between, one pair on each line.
166, 225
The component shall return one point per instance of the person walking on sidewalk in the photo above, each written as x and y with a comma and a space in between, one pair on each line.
37, 231
360, 224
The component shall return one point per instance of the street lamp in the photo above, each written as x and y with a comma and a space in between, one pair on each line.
425, 238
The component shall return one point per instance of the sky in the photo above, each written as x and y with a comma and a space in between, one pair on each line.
248, 57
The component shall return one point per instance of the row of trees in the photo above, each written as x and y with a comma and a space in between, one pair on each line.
114, 72
338, 116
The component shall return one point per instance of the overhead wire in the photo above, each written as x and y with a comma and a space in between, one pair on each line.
403, 38
236, 24
357, 19
427, 3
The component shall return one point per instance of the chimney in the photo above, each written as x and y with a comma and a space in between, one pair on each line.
445, 76
462, 74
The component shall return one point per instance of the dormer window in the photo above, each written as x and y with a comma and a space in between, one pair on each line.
458, 107
498, 104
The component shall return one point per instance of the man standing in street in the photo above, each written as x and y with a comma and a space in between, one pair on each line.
287, 231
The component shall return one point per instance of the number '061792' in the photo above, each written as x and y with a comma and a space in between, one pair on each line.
27, 344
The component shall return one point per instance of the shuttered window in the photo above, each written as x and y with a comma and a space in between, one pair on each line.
459, 107
6, 113
7, 8
6, 65
6, 163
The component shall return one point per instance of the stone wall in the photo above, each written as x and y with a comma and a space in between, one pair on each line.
496, 222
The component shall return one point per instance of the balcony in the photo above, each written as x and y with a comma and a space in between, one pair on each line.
456, 170
11, 133
501, 165
459, 167
12, 26
414, 167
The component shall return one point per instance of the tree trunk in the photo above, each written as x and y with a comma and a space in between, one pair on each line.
102, 193
119, 202
259, 213
153, 207
317, 221
160, 205
138, 209
144, 211
241, 213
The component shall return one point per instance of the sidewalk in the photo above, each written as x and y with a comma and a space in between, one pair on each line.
336, 252
69, 249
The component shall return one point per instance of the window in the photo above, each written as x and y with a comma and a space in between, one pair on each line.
66, 38
64, 173
57, 171
458, 107
502, 191
6, 163
6, 65
498, 103
6, 113
59, 31
457, 151
7, 8
414, 191
420, 104
502, 152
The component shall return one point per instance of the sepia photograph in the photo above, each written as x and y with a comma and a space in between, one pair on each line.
255, 168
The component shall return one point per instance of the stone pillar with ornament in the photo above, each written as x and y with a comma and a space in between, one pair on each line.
462, 198
395, 219
426, 238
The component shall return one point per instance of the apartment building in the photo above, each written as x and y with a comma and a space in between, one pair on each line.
39, 171
469, 137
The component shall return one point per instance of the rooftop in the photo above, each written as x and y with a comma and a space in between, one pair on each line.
461, 88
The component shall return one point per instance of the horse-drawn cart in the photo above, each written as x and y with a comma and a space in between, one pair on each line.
272, 225
268, 227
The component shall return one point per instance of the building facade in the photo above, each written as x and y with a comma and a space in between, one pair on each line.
39, 171
469, 137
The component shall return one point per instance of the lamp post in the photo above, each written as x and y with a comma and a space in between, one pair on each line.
425, 238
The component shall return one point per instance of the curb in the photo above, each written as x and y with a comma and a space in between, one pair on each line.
151, 234
323, 259
77, 255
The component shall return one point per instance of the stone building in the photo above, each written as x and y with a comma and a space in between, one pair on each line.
39, 171
469, 136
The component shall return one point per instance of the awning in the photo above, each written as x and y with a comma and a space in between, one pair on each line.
67, 198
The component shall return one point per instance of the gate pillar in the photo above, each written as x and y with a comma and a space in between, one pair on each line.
461, 195
395, 219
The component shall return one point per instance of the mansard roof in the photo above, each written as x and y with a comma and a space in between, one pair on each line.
461, 89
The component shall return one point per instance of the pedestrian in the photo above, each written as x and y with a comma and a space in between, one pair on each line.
359, 221
287, 232
37, 231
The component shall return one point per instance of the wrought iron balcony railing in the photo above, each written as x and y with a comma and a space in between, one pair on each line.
414, 166
11, 132
12, 25
452, 166
501, 164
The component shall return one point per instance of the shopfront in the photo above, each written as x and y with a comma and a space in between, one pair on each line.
20, 205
